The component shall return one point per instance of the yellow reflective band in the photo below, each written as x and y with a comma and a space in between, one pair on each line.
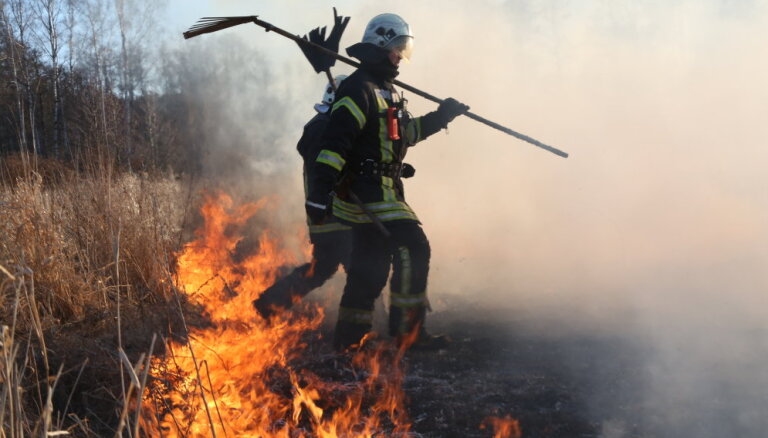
328, 228
413, 131
382, 95
385, 211
387, 151
381, 100
331, 158
405, 270
351, 106
388, 189
407, 301
355, 316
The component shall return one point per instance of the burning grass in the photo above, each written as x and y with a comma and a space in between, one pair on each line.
92, 271
244, 376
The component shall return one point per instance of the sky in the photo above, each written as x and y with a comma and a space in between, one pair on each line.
656, 225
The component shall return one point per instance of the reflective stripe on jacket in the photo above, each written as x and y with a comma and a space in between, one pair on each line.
358, 132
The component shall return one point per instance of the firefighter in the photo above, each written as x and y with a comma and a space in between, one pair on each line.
361, 162
331, 241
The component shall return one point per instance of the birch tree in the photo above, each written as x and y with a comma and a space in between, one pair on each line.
49, 14
15, 17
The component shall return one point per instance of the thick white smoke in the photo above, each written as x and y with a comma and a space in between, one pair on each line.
652, 231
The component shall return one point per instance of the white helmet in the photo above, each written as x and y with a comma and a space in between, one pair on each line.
329, 95
389, 31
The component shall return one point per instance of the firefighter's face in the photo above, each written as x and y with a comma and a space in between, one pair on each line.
395, 56
400, 48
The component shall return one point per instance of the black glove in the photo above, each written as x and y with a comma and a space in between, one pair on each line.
339, 24
408, 171
318, 59
449, 109
318, 211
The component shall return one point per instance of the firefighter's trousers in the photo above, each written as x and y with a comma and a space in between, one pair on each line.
407, 253
329, 250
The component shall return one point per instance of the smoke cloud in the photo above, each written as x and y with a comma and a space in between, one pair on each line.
652, 232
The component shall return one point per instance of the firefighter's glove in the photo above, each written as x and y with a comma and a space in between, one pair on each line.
449, 109
319, 210
408, 171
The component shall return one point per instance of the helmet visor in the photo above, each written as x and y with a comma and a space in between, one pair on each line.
403, 45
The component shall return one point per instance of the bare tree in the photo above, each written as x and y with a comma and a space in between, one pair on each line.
136, 19
15, 17
126, 90
98, 57
12, 58
81, 76
71, 23
49, 14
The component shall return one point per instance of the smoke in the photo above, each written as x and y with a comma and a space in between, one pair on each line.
243, 125
653, 231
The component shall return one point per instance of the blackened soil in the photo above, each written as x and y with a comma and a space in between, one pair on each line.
556, 382
485, 373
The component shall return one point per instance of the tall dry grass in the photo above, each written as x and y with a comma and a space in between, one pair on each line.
85, 267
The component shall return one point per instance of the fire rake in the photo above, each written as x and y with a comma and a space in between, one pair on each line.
213, 24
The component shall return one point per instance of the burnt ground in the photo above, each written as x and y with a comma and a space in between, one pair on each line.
547, 384
556, 376
554, 381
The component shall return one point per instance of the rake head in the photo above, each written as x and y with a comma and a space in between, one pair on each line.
320, 61
213, 24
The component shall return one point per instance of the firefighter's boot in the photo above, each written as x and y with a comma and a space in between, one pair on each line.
407, 327
349, 335
424, 341
275, 298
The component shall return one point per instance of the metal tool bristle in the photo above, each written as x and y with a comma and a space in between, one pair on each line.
213, 24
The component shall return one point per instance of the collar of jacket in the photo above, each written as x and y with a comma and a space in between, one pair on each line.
374, 60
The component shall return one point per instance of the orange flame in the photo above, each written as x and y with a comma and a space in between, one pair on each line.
236, 375
506, 427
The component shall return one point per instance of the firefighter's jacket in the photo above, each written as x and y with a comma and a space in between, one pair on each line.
309, 146
360, 154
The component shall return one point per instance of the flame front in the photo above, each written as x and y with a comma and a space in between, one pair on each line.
235, 374
506, 427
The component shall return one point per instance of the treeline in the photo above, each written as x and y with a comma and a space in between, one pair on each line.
84, 82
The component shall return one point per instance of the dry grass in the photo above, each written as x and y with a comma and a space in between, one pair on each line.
86, 286
85, 262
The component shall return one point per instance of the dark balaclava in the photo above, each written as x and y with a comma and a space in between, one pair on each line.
374, 59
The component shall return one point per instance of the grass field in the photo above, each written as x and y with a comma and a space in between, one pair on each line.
85, 268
